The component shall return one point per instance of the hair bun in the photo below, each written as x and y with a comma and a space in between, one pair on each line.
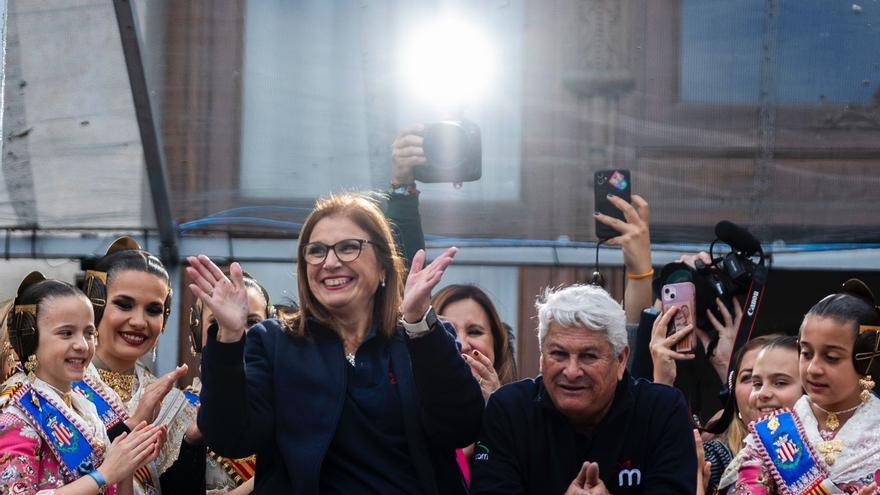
21, 323
29, 280
122, 244
858, 288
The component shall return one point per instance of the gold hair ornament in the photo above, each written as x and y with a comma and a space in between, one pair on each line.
871, 355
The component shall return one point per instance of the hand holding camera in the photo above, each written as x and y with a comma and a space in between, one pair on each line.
407, 153
726, 334
448, 151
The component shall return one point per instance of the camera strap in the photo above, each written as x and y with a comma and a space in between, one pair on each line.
744, 333
750, 310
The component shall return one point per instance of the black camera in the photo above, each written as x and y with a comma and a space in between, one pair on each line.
733, 275
728, 276
454, 152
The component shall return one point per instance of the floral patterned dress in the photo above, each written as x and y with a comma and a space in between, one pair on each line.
28, 465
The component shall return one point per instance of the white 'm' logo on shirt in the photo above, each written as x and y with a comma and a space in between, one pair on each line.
630, 474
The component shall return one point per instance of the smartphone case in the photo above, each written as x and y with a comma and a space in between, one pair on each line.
605, 182
683, 295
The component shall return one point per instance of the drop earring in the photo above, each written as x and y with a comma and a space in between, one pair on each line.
31, 365
867, 385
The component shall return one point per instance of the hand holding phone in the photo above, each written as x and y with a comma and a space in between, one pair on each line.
683, 296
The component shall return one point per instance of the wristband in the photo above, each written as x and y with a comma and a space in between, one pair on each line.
404, 189
422, 326
640, 276
99, 479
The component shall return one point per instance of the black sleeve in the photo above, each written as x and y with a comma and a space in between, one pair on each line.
496, 469
673, 454
117, 430
403, 214
451, 400
642, 365
187, 474
237, 409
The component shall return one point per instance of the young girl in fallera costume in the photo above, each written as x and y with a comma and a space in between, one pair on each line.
52, 438
225, 475
829, 442
131, 296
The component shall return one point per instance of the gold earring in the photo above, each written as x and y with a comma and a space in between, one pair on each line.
867, 385
31, 364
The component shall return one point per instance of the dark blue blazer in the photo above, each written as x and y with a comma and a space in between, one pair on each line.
281, 397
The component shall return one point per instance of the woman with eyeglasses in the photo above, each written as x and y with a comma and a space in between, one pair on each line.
360, 391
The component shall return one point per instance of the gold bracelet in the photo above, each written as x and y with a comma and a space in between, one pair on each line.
640, 276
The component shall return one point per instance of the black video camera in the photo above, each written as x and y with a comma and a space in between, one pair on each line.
454, 152
728, 276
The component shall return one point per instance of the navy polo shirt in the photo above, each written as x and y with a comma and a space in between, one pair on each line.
371, 426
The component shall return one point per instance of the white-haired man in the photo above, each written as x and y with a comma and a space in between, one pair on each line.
584, 426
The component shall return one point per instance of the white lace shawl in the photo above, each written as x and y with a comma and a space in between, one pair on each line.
860, 436
176, 412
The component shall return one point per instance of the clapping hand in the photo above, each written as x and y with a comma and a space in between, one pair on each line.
484, 372
225, 296
151, 402
587, 481
131, 451
421, 281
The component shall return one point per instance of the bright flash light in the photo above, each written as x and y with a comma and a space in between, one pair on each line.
448, 62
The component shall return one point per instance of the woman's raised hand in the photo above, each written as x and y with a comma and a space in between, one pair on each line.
726, 335
421, 281
226, 296
484, 372
635, 237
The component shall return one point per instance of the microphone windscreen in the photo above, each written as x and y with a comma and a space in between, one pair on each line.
737, 237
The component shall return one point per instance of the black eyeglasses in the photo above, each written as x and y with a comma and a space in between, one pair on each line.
346, 250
